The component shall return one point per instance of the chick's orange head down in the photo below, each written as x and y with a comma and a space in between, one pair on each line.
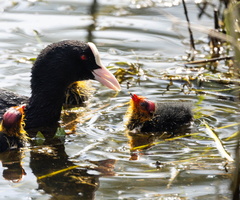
13, 116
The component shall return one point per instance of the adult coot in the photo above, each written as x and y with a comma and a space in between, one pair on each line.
146, 116
57, 66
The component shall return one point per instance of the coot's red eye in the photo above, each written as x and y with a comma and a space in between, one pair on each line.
83, 57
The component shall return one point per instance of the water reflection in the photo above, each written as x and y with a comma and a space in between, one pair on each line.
61, 178
93, 13
56, 174
140, 142
11, 161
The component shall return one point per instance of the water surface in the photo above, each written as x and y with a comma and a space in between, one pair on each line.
96, 161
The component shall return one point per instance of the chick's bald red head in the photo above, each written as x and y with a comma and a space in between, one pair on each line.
142, 104
139, 111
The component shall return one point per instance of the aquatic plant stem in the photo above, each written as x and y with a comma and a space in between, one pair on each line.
189, 26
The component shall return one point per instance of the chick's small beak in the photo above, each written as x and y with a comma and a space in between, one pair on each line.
21, 108
134, 97
104, 76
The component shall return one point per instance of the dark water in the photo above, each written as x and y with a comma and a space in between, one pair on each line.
96, 162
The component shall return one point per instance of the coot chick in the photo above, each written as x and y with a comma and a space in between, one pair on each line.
146, 116
12, 133
77, 94
57, 66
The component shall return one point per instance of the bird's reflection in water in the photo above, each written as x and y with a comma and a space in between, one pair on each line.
72, 117
62, 178
140, 142
59, 177
11, 161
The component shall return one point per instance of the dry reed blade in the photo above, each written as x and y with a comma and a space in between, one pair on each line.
218, 143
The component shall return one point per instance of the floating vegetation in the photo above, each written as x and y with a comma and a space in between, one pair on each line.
128, 72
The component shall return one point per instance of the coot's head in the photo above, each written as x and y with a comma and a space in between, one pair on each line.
12, 122
62, 63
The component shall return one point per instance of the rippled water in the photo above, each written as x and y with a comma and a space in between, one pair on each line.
96, 161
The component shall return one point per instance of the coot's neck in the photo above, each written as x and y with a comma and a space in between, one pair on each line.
48, 84
44, 108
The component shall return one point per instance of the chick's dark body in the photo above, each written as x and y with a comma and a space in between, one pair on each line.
169, 117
